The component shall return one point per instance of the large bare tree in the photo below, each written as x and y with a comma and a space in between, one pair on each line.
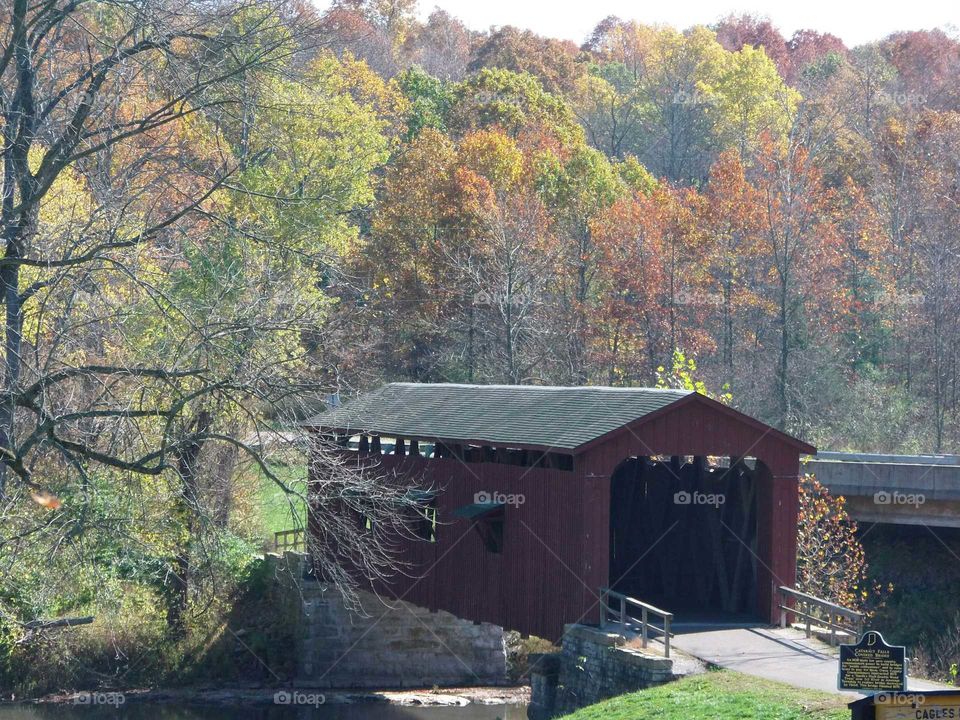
158, 279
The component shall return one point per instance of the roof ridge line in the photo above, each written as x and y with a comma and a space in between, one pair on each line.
605, 388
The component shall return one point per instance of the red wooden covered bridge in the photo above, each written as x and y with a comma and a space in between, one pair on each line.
543, 495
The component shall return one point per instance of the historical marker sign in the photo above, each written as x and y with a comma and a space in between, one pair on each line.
872, 666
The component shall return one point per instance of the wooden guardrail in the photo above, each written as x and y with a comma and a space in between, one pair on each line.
823, 612
625, 615
288, 539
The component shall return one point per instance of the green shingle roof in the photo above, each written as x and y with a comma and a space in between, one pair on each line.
558, 417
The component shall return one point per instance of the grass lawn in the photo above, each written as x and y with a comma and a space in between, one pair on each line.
275, 505
719, 695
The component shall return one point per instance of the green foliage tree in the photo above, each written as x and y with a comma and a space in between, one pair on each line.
751, 99
682, 375
515, 102
430, 101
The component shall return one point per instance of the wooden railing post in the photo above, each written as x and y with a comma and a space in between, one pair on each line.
836, 618
666, 635
623, 616
288, 539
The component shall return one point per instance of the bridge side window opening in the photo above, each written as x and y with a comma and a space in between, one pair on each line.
424, 522
505, 456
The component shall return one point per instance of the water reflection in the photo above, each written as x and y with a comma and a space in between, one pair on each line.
358, 711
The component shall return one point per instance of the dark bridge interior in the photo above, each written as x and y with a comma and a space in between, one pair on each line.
683, 533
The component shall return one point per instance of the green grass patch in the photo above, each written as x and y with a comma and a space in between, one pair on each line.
719, 695
275, 505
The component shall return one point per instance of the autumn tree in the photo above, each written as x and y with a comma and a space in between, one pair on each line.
935, 296
510, 266
607, 103
402, 260
868, 277
736, 32
808, 47
441, 46
346, 28
830, 560
516, 103
676, 99
623, 42
926, 62
577, 188
629, 328
732, 214
553, 62
162, 251
796, 234
750, 100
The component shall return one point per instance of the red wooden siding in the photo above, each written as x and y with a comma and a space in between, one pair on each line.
527, 586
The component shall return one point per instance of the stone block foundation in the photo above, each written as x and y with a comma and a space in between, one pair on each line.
594, 665
387, 643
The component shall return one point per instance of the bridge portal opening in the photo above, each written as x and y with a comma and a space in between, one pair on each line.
683, 533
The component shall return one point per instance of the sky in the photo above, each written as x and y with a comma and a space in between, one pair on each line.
853, 21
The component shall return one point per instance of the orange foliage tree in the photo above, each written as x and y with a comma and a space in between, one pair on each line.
831, 563
797, 235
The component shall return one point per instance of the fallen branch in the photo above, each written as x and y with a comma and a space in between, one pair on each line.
62, 622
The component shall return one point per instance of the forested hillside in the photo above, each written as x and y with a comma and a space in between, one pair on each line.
216, 213
783, 210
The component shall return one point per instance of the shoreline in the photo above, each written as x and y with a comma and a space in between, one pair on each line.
262, 695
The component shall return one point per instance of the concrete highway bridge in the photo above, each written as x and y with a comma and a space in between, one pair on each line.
893, 489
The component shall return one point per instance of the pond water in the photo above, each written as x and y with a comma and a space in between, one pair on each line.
358, 711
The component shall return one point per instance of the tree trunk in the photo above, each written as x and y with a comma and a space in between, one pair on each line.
187, 467
782, 389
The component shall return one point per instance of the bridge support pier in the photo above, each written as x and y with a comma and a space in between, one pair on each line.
594, 665
380, 645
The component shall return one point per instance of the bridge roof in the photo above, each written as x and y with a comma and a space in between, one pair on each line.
531, 416
526, 415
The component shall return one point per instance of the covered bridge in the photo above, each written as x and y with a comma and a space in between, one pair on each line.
543, 495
